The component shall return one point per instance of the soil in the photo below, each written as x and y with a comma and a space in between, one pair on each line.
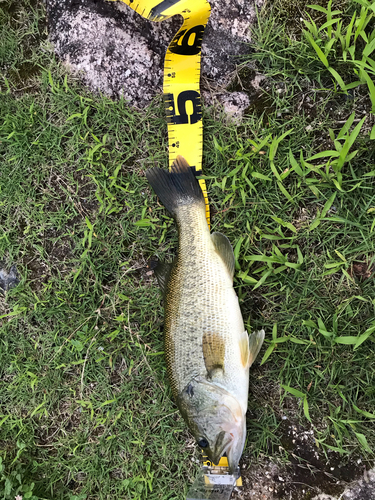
362, 270
308, 475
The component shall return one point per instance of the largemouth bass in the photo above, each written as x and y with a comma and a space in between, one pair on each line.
208, 351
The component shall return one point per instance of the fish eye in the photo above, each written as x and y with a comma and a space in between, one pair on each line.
203, 443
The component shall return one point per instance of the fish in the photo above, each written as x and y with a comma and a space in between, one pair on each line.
208, 351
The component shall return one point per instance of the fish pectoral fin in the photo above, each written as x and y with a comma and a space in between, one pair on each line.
162, 272
250, 347
244, 348
213, 346
225, 250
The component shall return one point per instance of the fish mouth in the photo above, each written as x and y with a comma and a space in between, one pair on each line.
234, 445
229, 451
233, 459
224, 447
223, 442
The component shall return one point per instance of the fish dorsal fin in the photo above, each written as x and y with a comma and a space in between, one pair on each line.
225, 250
250, 347
162, 272
213, 346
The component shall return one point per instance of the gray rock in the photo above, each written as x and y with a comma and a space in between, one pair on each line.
118, 52
234, 104
9, 279
364, 489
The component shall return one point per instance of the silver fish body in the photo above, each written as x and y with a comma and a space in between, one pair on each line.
207, 348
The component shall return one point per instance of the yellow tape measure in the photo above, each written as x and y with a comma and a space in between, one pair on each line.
182, 69
222, 463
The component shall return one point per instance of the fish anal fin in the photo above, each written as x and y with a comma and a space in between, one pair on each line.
213, 346
250, 347
225, 250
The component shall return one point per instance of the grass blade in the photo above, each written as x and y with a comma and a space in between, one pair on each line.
317, 49
363, 412
262, 279
285, 192
363, 441
341, 220
275, 143
295, 392
348, 340
338, 78
306, 409
371, 87
328, 205
268, 353
362, 338
318, 8
346, 126
353, 136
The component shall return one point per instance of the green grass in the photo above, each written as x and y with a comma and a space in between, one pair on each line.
85, 406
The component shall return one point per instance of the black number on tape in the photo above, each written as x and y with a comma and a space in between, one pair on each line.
182, 117
183, 47
156, 12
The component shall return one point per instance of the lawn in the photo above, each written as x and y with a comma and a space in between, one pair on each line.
86, 411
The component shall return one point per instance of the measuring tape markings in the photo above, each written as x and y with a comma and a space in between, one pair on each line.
182, 70
223, 462
182, 66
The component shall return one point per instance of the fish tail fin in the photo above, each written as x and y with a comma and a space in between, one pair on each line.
177, 187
